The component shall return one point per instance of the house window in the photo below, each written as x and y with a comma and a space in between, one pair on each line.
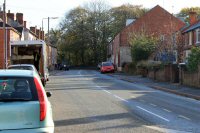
162, 37
188, 52
190, 38
198, 36
174, 40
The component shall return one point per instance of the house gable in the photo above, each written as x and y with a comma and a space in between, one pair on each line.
156, 22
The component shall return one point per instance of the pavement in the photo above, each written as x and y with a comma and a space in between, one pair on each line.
174, 88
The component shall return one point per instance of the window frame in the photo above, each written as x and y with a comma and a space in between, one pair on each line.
198, 36
190, 38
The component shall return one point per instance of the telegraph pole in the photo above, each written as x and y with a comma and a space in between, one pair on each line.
48, 29
4, 31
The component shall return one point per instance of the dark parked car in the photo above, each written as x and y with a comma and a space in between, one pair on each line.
99, 66
64, 66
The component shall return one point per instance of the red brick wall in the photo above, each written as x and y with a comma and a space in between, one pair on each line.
116, 43
15, 36
155, 22
1, 48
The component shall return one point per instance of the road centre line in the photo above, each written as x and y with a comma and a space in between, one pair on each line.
77, 87
166, 110
153, 113
153, 104
120, 98
107, 91
112, 94
184, 117
142, 100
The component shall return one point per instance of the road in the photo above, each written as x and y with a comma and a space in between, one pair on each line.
85, 101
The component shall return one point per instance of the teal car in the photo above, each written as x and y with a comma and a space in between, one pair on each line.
24, 106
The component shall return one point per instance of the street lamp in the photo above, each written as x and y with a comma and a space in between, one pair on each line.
48, 23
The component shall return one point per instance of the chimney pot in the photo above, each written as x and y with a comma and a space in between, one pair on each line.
192, 17
38, 33
24, 24
33, 29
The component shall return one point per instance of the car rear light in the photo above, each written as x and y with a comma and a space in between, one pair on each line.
42, 100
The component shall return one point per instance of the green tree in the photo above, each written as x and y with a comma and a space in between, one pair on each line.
122, 13
193, 59
86, 31
142, 46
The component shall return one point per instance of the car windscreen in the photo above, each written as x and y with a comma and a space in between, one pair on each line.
21, 67
107, 64
17, 89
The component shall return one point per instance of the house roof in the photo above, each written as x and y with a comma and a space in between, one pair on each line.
19, 29
7, 25
192, 27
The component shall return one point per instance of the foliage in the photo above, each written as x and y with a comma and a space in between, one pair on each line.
130, 68
84, 32
142, 46
122, 13
193, 59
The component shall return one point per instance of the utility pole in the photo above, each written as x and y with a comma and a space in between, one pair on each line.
48, 29
4, 31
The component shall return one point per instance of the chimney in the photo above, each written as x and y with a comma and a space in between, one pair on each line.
24, 24
19, 18
11, 15
1, 15
41, 35
192, 17
33, 29
38, 33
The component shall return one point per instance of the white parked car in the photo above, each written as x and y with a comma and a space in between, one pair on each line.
24, 106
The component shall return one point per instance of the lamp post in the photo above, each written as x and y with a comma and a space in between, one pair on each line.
48, 24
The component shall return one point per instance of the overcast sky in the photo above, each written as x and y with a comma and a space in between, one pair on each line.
35, 10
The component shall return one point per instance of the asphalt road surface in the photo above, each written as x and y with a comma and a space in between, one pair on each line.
85, 101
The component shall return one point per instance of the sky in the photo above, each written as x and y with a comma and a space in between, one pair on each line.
36, 11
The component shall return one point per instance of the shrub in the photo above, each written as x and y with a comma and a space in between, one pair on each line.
142, 46
193, 59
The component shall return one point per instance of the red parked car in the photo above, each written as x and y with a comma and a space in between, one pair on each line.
107, 67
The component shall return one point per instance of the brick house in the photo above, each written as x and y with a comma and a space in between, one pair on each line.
157, 22
11, 35
191, 35
16, 29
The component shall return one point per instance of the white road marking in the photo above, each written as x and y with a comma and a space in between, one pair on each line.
142, 100
77, 87
120, 98
165, 130
153, 105
184, 117
153, 113
79, 72
107, 91
166, 110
